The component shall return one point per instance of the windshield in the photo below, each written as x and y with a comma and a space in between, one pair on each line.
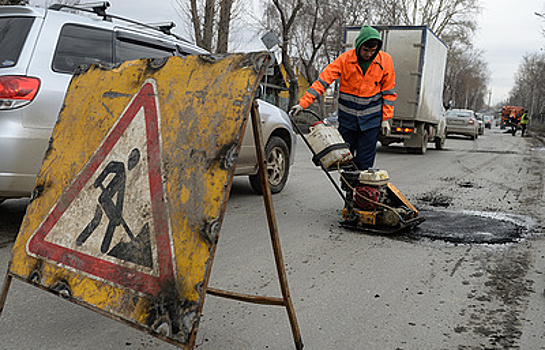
13, 33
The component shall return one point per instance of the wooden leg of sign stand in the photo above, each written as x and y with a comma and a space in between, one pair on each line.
273, 229
4, 294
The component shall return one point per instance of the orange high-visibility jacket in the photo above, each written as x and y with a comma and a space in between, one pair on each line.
364, 100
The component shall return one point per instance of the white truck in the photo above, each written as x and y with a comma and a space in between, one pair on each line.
420, 59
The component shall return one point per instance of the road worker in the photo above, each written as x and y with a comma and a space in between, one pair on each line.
514, 121
366, 94
524, 121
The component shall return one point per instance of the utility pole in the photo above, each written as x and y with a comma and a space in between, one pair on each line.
489, 98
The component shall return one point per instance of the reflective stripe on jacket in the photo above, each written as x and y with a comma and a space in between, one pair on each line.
364, 100
524, 119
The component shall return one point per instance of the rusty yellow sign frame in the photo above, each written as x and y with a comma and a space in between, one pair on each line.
186, 167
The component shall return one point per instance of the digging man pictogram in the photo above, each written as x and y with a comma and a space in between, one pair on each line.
111, 202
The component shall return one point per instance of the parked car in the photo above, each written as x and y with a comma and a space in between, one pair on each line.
462, 122
41, 49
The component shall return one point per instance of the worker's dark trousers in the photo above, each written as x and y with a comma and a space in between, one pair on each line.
363, 145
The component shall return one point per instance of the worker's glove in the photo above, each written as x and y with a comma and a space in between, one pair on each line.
385, 126
295, 110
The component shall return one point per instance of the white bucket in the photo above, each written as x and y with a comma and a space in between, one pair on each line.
322, 136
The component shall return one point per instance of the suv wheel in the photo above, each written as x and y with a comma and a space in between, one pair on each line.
277, 157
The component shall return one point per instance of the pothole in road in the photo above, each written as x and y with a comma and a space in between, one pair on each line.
436, 200
474, 227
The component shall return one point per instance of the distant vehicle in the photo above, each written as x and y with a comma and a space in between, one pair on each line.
462, 122
42, 48
510, 117
488, 120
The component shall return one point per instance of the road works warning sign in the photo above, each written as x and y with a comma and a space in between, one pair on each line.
129, 200
122, 178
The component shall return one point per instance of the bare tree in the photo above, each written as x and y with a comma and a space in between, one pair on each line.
224, 25
529, 87
311, 33
350, 13
311, 39
442, 17
287, 13
203, 28
314, 36
208, 17
466, 78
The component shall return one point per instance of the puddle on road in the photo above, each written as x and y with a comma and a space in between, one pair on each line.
474, 227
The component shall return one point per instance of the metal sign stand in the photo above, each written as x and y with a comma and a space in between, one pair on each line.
285, 301
4, 294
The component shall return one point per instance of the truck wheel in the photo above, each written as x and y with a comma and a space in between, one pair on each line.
277, 156
440, 142
385, 143
424, 147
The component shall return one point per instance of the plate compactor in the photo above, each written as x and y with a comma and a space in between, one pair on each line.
372, 203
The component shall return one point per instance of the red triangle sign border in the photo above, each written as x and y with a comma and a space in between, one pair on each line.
108, 271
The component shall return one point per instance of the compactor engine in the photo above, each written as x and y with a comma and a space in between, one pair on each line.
374, 204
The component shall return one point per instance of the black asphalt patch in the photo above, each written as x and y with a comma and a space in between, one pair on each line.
473, 227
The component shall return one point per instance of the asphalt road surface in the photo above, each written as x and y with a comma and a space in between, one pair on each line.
452, 284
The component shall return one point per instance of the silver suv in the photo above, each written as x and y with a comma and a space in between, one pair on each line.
41, 49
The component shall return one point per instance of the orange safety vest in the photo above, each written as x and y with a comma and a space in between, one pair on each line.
364, 100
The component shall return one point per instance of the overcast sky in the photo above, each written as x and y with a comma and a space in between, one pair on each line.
508, 29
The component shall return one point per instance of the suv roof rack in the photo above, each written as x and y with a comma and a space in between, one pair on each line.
99, 8
164, 27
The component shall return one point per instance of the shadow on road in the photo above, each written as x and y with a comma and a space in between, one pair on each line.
399, 149
241, 188
12, 212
